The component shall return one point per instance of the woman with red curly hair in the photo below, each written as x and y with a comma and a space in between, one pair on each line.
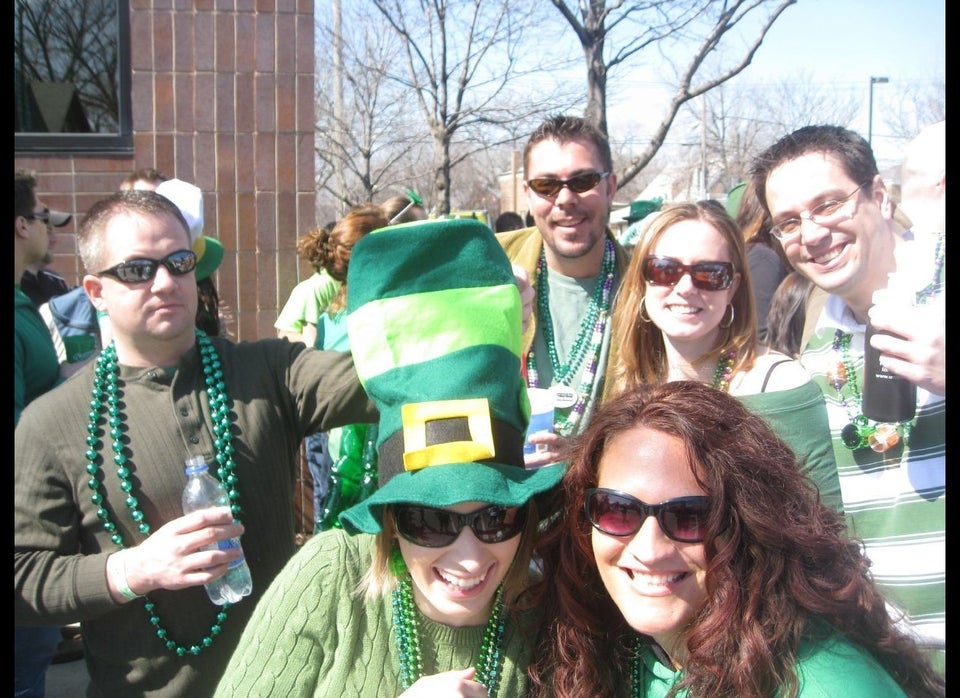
694, 559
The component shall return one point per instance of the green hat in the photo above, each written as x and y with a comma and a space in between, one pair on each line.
434, 319
733, 199
641, 208
209, 253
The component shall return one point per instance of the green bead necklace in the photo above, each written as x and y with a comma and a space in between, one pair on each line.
407, 636
105, 397
724, 371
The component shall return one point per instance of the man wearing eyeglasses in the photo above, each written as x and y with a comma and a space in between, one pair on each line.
99, 532
575, 265
835, 219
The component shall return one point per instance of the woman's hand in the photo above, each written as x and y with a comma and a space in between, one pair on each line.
449, 684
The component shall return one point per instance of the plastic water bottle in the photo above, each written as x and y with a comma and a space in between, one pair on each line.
202, 492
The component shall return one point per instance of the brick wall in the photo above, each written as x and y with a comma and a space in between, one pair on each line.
223, 97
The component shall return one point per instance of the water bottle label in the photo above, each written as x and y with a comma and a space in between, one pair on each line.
230, 544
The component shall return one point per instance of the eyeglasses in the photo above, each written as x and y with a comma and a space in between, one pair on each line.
437, 528
135, 271
43, 215
550, 186
683, 519
707, 276
826, 214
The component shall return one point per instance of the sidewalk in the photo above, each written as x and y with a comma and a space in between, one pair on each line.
67, 680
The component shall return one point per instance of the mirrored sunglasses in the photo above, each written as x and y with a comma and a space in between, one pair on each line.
550, 186
683, 519
707, 276
437, 528
134, 271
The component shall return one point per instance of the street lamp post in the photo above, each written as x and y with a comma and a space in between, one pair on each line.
873, 81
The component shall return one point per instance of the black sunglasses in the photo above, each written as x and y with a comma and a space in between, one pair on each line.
707, 276
437, 528
135, 271
550, 186
43, 215
683, 519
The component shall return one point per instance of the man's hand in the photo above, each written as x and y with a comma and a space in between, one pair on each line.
173, 556
919, 353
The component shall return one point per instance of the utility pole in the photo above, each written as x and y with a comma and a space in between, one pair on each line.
338, 116
873, 81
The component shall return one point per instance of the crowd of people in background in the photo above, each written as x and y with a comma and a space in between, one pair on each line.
711, 514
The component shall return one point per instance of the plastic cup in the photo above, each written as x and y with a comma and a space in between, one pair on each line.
541, 417
79, 347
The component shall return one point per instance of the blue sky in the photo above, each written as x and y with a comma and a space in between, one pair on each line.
838, 44
842, 43
850, 40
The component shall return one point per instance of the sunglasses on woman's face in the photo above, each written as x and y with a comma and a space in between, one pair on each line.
707, 276
437, 528
135, 271
683, 519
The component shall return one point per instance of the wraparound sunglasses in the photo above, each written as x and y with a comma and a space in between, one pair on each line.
437, 528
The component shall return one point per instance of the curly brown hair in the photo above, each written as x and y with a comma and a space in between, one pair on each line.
786, 569
330, 249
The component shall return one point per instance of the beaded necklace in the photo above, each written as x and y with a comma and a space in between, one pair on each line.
407, 636
724, 371
860, 431
105, 397
636, 670
592, 326
934, 286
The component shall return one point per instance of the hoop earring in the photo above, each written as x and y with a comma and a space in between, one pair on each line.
733, 314
643, 302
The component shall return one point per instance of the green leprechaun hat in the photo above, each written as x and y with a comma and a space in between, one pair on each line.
434, 319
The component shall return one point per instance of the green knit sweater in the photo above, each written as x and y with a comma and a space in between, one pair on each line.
311, 635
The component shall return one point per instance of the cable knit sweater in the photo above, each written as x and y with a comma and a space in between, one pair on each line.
311, 635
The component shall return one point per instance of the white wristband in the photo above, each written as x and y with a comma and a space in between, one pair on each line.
116, 570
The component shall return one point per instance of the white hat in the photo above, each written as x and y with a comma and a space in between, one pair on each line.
189, 199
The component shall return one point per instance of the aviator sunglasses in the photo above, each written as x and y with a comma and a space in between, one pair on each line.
683, 519
437, 528
134, 271
551, 186
707, 276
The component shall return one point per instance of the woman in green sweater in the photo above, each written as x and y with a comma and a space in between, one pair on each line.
424, 591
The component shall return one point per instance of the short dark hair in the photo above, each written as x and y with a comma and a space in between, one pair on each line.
564, 129
848, 147
25, 193
508, 220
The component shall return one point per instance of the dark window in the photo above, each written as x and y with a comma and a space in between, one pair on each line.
72, 76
